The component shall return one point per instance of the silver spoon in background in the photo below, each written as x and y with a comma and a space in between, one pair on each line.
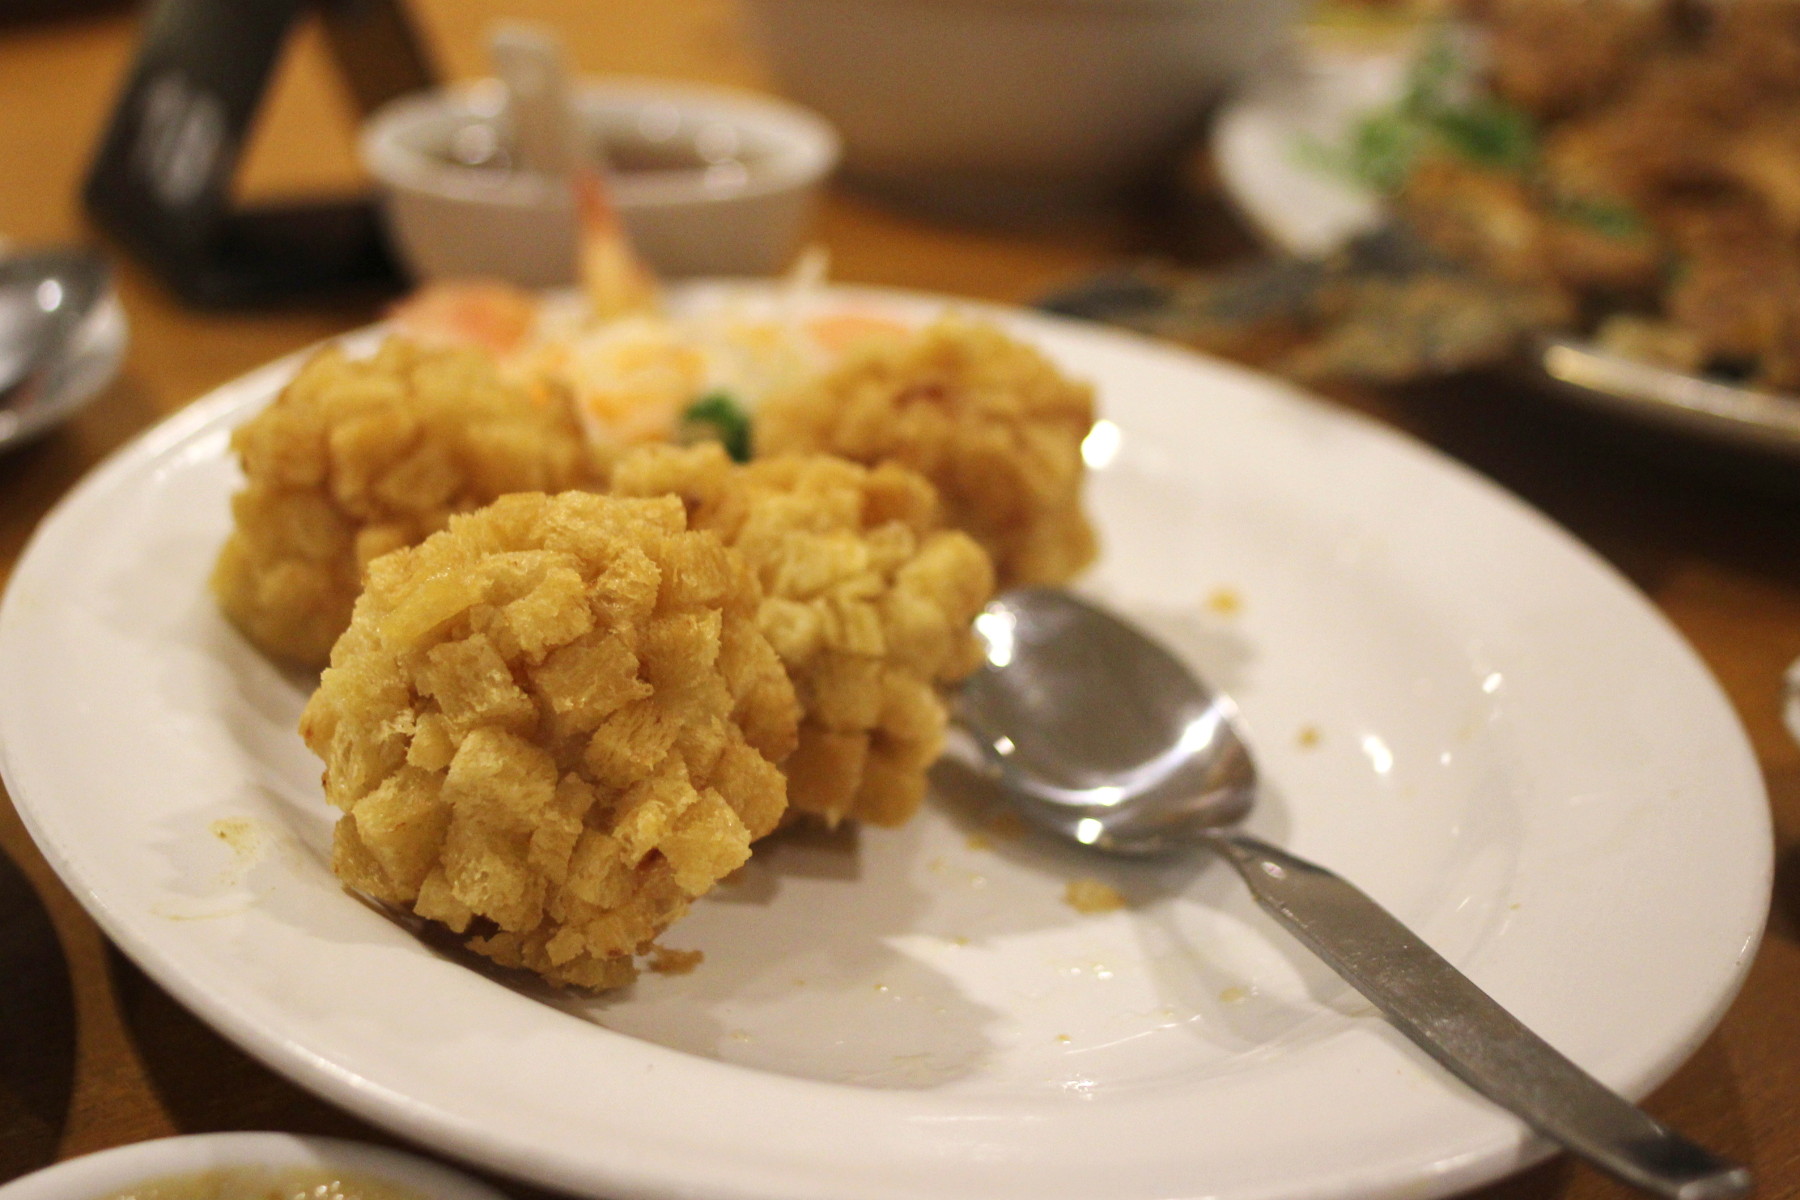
62, 335
1099, 734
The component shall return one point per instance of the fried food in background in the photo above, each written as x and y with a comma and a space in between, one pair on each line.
359, 457
1659, 177
987, 419
1625, 169
1552, 59
551, 726
867, 600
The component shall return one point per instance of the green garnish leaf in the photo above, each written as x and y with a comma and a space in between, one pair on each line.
1383, 148
1430, 78
1613, 218
721, 418
1436, 113
1489, 133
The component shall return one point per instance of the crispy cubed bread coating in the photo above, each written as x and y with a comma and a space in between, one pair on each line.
359, 457
865, 598
987, 419
551, 726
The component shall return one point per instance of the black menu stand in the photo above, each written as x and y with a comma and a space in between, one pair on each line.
160, 183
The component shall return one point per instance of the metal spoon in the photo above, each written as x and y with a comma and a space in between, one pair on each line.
61, 337
1101, 735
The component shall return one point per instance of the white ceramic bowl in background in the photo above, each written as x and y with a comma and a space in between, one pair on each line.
94, 1176
745, 216
1007, 103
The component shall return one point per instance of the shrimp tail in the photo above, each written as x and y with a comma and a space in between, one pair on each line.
616, 281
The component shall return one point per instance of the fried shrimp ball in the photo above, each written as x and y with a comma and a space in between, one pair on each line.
359, 457
551, 726
986, 418
867, 600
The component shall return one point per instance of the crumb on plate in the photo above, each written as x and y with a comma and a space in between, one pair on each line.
667, 961
1089, 895
1225, 601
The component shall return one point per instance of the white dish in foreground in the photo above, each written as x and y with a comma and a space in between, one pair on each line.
126, 1168
1458, 706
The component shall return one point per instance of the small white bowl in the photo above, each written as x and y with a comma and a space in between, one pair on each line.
1021, 102
744, 213
95, 1176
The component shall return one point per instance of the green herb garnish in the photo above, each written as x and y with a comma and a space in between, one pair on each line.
1432, 75
1609, 217
718, 417
1383, 149
1488, 132
1436, 112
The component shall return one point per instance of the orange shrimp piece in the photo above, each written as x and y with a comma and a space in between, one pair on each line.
838, 331
468, 312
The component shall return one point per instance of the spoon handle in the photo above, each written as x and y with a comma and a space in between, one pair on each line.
1458, 1024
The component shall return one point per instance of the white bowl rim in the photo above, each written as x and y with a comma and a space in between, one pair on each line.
807, 146
93, 1176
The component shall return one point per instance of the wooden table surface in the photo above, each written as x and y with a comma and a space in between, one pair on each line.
93, 1054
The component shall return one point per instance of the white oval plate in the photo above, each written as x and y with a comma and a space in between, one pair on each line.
1457, 705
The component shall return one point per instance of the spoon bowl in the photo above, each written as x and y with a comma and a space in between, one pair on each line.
1100, 735
1145, 772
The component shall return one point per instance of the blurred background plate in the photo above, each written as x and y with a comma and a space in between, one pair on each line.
1264, 151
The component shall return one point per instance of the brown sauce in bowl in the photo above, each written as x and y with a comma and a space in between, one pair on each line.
625, 151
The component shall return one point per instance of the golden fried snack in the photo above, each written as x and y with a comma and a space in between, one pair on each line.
1551, 57
359, 457
866, 599
1739, 294
989, 420
551, 726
